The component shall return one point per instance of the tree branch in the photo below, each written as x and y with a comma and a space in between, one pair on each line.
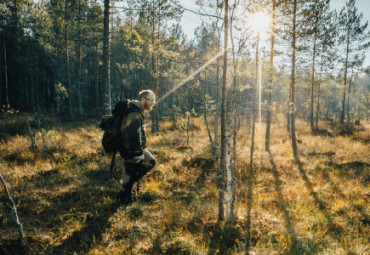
14, 212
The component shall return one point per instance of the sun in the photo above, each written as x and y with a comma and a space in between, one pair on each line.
260, 22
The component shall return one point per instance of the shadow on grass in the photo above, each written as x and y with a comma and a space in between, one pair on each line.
290, 226
87, 205
334, 230
224, 238
98, 213
355, 169
359, 209
249, 209
91, 234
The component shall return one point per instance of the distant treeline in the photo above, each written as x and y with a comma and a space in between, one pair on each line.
53, 58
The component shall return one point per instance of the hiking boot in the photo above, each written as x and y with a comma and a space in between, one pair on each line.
125, 198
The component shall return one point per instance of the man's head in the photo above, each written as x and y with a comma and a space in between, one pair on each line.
147, 100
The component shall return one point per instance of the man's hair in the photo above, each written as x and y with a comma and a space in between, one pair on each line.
145, 93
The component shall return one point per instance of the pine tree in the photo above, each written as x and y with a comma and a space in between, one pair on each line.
320, 27
270, 81
355, 39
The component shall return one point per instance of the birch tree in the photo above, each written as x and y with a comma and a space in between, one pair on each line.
223, 167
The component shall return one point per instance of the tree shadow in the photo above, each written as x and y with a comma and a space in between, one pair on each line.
336, 190
223, 239
290, 226
90, 205
91, 234
249, 209
356, 169
334, 230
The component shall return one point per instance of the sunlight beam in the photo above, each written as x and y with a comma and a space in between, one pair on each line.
191, 76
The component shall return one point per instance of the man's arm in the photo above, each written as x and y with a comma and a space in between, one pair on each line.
134, 133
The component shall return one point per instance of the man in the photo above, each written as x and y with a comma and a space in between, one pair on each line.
138, 160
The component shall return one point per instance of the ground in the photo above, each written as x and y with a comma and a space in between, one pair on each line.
67, 198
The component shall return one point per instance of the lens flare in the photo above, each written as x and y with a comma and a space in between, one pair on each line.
260, 21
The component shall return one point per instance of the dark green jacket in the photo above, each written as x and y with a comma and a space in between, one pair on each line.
133, 132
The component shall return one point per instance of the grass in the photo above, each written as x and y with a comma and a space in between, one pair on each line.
67, 198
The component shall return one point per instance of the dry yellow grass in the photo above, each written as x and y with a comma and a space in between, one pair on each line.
67, 198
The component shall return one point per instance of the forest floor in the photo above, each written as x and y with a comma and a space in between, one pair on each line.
67, 197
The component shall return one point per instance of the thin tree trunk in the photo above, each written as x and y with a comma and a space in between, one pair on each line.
313, 82
223, 167
154, 71
345, 83
79, 58
6, 77
230, 189
187, 130
97, 77
348, 96
66, 40
157, 70
250, 169
271, 66
216, 139
229, 177
254, 104
318, 105
205, 114
292, 87
106, 66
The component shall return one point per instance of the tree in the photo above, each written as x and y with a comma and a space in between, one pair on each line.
292, 102
354, 38
321, 27
223, 167
271, 66
106, 60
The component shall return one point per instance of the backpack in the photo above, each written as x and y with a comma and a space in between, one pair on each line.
111, 125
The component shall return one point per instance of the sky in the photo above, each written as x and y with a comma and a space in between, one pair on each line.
191, 21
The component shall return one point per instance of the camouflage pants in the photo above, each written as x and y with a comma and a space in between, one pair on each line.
134, 171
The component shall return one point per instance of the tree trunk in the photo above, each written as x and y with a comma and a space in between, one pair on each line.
154, 72
187, 130
205, 114
157, 69
348, 97
345, 83
97, 77
6, 77
254, 103
230, 178
313, 81
106, 66
230, 187
223, 167
271, 66
292, 87
216, 138
318, 105
79, 59
68, 69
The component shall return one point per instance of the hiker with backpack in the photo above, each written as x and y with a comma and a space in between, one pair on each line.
125, 133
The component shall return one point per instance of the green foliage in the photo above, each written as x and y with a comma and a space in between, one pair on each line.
61, 91
9, 110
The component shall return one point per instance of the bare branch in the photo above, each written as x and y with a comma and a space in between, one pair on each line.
14, 212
